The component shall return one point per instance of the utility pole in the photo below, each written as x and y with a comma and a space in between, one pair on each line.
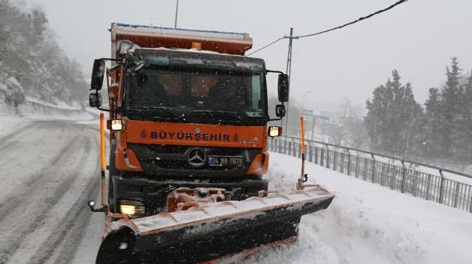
289, 73
176, 13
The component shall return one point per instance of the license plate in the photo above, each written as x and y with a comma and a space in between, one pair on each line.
225, 161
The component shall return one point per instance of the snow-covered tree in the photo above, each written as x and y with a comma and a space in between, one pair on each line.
463, 142
30, 54
447, 123
450, 107
432, 126
392, 117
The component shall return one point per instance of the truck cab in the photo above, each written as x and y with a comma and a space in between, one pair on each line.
187, 109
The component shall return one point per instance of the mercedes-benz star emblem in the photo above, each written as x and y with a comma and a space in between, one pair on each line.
196, 157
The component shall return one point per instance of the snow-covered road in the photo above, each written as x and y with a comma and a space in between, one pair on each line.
49, 169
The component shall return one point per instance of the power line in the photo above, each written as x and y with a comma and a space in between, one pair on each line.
268, 45
333, 29
353, 22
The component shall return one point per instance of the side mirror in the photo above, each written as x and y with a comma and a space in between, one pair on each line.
280, 110
98, 72
283, 88
95, 100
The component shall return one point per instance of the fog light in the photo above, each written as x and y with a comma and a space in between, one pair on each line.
132, 208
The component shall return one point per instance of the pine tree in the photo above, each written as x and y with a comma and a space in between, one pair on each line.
373, 121
463, 142
431, 139
392, 118
450, 109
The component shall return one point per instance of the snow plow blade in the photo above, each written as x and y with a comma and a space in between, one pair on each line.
211, 232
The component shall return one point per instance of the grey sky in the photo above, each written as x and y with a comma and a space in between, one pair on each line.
418, 38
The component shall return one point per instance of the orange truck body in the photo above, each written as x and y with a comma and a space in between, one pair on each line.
151, 153
188, 149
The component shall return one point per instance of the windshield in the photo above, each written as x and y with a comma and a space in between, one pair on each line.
204, 96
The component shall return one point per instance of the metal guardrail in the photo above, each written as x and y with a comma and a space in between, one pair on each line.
430, 183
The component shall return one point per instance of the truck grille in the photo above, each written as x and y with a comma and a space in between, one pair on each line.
190, 160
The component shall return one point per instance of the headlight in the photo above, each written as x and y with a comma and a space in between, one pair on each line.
275, 131
116, 124
132, 208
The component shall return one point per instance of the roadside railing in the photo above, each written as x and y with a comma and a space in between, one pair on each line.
424, 181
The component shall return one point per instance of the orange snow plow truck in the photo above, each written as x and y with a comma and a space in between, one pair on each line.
188, 116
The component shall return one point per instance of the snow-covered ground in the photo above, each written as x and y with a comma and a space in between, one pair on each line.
365, 223
10, 123
49, 170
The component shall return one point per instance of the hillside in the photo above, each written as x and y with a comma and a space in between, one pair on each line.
32, 65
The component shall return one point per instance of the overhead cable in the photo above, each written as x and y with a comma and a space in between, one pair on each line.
332, 29
266, 46
352, 22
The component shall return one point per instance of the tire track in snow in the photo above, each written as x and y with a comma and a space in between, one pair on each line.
70, 233
33, 150
56, 180
9, 140
20, 194
22, 229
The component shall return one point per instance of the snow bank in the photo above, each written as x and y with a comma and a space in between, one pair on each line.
367, 223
